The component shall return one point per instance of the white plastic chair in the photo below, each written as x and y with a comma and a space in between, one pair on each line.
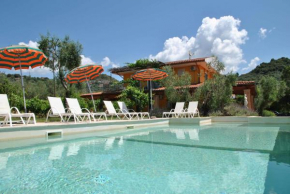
58, 110
132, 114
5, 111
175, 112
111, 111
191, 110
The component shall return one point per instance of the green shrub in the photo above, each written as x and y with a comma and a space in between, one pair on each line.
158, 112
240, 99
37, 106
16, 101
216, 113
267, 113
234, 109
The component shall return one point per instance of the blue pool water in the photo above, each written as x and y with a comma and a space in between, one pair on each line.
218, 158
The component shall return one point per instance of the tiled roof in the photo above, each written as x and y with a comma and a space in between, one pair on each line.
94, 94
185, 61
126, 68
245, 83
190, 86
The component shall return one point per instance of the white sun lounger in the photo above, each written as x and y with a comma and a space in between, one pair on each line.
5, 111
58, 110
132, 114
175, 112
191, 110
75, 107
111, 111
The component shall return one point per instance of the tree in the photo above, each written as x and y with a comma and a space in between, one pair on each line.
134, 97
63, 56
215, 93
176, 87
50, 45
145, 63
269, 90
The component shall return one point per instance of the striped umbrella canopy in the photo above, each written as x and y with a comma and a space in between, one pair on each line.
21, 57
150, 74
84, 73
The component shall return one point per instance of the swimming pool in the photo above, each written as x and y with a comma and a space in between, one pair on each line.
217, 158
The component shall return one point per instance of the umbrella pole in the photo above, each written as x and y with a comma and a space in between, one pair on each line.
91, 94
22, 83
151, 105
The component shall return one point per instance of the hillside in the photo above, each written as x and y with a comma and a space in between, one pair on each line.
273, 68
43, 86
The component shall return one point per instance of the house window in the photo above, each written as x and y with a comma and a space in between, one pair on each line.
180, 72
205, 76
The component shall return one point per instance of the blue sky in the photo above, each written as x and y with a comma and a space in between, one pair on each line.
241, 33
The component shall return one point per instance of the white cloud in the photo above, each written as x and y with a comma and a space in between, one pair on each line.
86, 60
107, 62
252, 64
30, 44
263, 33
175, 48
220, 37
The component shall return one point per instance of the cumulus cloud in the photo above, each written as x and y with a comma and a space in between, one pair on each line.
107, 62
86, 60
30, 44
263, 33
175, 48
220, 37
252, 64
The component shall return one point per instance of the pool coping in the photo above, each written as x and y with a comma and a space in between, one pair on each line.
41, 129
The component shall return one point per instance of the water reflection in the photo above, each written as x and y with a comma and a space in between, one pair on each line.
56, 152
169, 160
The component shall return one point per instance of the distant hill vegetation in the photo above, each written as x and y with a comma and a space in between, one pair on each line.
274, 68
43, 86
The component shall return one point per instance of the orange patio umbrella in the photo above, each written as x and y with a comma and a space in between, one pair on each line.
84, 73
21, 57
150, 74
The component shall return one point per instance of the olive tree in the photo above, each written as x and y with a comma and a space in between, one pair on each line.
63, 55
176, 87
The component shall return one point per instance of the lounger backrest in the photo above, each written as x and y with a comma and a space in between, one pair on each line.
179, 107
192, 107
110, 107
123, 107
56, 105
4, 104
74, 105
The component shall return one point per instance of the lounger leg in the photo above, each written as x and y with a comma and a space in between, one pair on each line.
10, 119
28, 120
34, 120
22, 120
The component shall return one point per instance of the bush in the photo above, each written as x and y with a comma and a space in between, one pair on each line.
216, 113
16, 101
158, 112
37, 106
267, 113
234, 109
